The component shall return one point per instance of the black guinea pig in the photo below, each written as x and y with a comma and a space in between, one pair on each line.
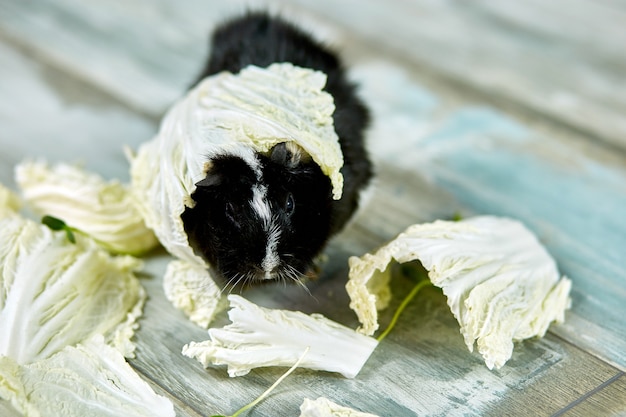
269, 221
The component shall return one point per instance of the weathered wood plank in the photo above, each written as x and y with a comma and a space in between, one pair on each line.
559, 59
44, 113
607, 400
142, 54
562, 59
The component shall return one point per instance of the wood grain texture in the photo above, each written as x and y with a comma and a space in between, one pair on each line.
562, 59
47, 114
142, 52
606, 400
114, 44
78, 80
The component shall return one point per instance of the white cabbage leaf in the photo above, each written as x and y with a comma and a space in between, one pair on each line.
9, 202
323, 407
54, 293
230, 113
190, 288
500, 282
84, 201
89, 379
259, 337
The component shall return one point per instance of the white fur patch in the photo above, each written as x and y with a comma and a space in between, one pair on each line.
261, 206
271, 260
263, 210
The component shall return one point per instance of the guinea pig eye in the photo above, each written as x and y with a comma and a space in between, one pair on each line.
290, 204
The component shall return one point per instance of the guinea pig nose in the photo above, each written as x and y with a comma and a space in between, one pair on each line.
271, 273
262, 274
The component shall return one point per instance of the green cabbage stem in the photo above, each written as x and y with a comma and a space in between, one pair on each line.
402, 306
270, 389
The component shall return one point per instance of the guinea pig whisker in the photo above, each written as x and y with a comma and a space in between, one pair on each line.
232, 282
244, 280
250, 278
292, 274
223, 289
303, 286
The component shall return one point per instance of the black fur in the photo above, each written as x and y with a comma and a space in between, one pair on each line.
222, 226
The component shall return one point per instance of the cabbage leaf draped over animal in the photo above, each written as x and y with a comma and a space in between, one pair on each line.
501, 284
238, 114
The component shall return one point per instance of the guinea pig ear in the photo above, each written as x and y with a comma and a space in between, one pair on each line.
288, 154
210, 180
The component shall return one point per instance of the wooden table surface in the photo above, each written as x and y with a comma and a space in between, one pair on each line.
483, 107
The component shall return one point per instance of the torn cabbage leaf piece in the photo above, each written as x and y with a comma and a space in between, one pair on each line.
84, 201
9, 201
261, 337
190, 288
323, 407
501, 284
54, 293
89, 379
235, 114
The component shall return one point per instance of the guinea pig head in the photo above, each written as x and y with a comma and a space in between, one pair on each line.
261, 219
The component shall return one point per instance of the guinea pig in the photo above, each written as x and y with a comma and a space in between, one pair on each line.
269, 219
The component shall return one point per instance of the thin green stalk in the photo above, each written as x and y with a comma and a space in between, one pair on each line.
274, 385
402, 306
